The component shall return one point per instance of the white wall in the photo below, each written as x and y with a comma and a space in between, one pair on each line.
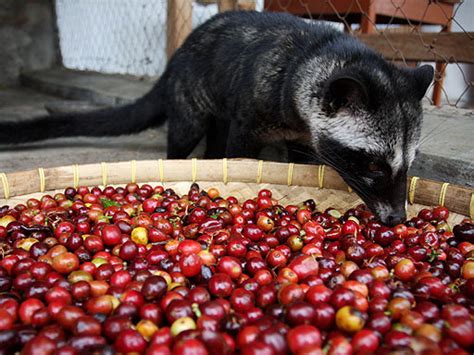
118, 36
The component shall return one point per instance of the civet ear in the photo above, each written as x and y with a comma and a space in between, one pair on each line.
423, 77
345, 92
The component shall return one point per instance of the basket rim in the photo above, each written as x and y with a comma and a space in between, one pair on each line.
459, 199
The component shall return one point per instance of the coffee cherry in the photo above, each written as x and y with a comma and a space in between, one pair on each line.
303, 336
349, 319
141, 269
182, 324
130, 341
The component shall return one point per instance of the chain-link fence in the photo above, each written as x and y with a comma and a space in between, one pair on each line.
137, 36
127, 36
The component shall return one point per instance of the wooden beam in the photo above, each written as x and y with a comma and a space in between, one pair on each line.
439, 75
179, 24
230, 5
445, 47
227, 5
418, 11
246, 5
368, 21
316, 8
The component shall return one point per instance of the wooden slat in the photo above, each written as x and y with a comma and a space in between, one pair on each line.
369, 20
317, 8
227, 5
449, 47
418, 11
246, 4
179, 24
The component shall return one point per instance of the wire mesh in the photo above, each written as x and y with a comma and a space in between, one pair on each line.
121, 36
112, 36
138, 36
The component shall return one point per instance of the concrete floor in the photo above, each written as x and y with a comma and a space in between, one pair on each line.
446, 154
24, 103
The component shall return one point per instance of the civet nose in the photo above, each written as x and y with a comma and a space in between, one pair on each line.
395, 218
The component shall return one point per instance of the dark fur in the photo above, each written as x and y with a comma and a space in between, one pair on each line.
235, 79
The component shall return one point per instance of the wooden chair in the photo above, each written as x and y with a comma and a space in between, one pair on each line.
369, 13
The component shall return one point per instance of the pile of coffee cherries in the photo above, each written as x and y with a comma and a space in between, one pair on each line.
140, 269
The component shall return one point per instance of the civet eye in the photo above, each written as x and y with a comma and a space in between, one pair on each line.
374, 167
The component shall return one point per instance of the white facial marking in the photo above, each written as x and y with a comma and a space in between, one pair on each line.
397, 160
346, 129
384, 210
411, 154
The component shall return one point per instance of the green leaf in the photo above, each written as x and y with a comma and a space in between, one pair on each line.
107, 202
433, 255
174, 220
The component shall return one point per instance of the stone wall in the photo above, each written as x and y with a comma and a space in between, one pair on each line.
28, 39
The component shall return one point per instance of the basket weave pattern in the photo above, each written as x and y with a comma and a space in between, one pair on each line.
242, 178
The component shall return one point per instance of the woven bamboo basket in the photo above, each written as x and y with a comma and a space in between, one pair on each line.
242, 178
